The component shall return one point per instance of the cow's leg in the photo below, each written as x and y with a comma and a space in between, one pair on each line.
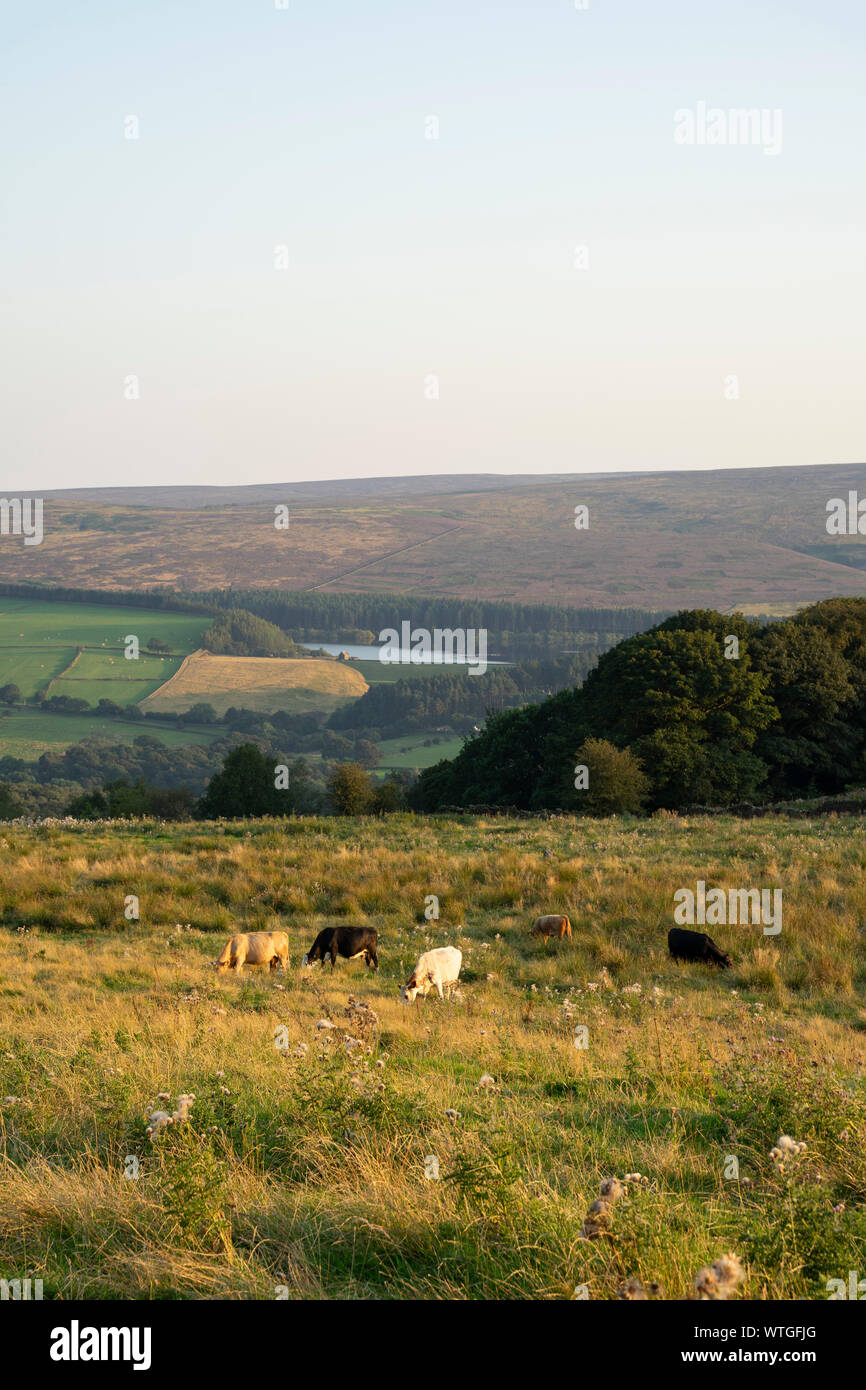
372, 958
333, 957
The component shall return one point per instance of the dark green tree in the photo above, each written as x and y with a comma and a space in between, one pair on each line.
814, 745
366, 753
9, 807
350, 790
690, 712
616, 784
389, 796
244, 787
202, 713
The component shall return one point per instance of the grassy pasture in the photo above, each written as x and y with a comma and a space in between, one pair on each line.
33, 668
374, 672
93, 625
39, 643
108, 675
684, 1068
409, 751
27, 734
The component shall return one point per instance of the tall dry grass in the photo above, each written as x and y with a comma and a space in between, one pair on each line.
301, 1173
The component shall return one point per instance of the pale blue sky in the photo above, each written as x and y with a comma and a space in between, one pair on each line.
411, 258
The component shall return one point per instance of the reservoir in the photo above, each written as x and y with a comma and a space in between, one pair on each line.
372, 654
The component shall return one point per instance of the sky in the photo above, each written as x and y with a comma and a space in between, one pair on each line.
428, 236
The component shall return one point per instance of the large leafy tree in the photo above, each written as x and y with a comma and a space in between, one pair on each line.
616, 783
689, 704
814, 743
779, 712
245, 787
687, 707
350, 790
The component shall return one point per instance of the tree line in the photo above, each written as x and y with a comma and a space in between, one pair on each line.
345, 617
515, 628
155, 599
391, 709
778, 712
102, 781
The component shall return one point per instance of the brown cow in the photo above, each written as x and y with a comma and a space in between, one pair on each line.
552, 925
255, 948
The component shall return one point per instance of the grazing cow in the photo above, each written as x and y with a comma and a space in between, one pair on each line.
696, 945
348, 942
255, 948
554, 925
437, 970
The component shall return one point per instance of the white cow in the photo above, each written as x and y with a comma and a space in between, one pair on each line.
435, 970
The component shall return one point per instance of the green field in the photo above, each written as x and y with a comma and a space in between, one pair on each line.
108, 675
32, 668
39, 640
27, 734
34, 622
682, 1069
40, 650
375, 672
410, 751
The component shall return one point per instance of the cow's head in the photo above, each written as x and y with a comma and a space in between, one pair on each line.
410, 991
726, 961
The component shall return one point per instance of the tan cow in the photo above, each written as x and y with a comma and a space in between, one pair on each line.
255, 948
553, 925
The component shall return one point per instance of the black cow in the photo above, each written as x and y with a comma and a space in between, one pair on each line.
696, 945
348, 942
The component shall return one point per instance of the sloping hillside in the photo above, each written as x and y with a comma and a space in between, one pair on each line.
258, 683
655, 540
